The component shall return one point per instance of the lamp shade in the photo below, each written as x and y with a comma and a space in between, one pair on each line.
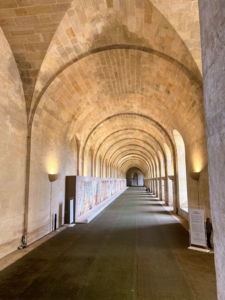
53, 177
195, 175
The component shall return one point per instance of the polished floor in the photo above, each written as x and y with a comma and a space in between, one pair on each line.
133, 250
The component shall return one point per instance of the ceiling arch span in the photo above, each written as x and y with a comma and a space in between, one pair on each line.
173, 61
125, 150
142, 25
146, 139
149, 148
136, 154
131, 152
132, 157
133, 83
133, 170
148, 119
134, 163
118, 81
154, 144
124, 141
127, 132
136, 166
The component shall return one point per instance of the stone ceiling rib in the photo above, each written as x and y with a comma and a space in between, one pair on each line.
96, 69
130, 151
121, 138
84, 89
134, 162
184, 17
127, 121
29, 26
45, 35
87, 27
127, 142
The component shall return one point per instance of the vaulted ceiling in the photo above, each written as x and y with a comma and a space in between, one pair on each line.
120, 74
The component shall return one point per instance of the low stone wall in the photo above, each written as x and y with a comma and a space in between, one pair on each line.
183, 213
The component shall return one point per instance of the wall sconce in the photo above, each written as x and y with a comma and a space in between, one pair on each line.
171, 177
195, 175
53, 177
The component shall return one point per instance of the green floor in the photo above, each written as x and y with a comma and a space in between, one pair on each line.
133, 250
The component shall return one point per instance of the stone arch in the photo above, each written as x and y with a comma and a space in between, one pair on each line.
134, 177
181, 168
170, 175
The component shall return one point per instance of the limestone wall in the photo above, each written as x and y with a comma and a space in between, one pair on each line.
12, 151
212, 16
51, 152
197, 161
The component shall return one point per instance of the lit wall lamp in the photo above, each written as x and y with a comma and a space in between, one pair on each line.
171, 177
195, 175
53, 177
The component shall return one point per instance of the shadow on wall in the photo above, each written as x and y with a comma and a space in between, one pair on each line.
135, 177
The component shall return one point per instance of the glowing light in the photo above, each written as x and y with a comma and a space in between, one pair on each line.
197, 169
197, 163
52, 166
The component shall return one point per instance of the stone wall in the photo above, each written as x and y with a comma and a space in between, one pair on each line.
12, 151
51, 152
212, 16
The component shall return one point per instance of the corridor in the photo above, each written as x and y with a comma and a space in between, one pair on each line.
133, 250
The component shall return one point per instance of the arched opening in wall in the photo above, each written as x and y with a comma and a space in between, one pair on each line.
103, 168
182, 177
151, 177
97, 166
89, 164
135, 177
154, 177
157, 178
162, 169
170, 174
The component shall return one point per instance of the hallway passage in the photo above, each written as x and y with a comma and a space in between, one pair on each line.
133, 250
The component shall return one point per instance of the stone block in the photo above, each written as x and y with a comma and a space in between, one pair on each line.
20, 11
60, 8
39, 10
7, 4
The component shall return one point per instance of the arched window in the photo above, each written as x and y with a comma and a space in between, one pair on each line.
157, 180
162, 169
87, 170
162, 164
170, 169
181, 160
87, 163
170, 172
135, 177
98, 166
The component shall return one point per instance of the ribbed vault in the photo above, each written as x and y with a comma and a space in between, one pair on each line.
105, 83
47, 35
110, 79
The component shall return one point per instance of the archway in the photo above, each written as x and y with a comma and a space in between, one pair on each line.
135, 177
181, 164
170, 175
